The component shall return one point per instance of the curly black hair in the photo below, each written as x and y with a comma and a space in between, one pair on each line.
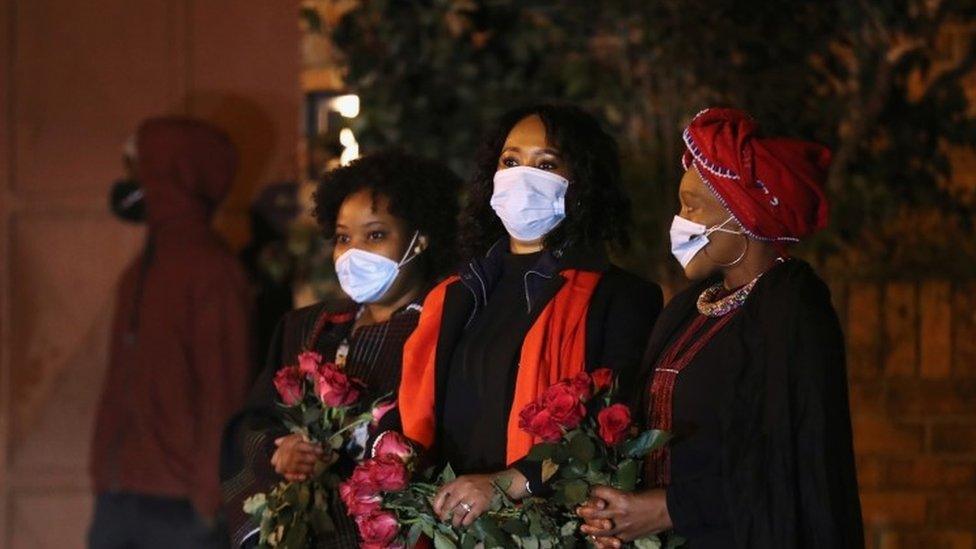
597, 208
421, 192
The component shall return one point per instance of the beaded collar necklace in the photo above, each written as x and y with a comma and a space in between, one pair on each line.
712, 305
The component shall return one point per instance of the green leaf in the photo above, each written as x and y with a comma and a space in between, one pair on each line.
290, 495
447, 475
674, 541
645, 442
296, 537
489, 531
416, 530
469, 541
255, 504
649, 542
626, 476
541, 451
311, 415
575, 470
575, 492
515, 527
441, 541
581, 448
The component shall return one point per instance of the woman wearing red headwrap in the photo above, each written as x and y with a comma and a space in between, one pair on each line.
746, 367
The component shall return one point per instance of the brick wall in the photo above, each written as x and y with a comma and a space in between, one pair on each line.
912, 366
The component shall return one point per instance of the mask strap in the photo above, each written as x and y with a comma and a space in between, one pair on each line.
720, 228
404, 260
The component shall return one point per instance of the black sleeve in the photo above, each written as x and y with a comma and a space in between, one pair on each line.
696, 504
790, 463
622, 314
248, 443
827, 501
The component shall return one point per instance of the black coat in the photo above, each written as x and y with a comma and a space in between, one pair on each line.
621, 313
787, 474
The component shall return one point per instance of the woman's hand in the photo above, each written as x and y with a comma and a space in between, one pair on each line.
297, 459
614, 516
601, 542
465, 498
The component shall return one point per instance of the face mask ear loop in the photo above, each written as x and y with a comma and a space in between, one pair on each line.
404, 260
720, 228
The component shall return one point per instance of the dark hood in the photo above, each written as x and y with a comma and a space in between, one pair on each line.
186, 167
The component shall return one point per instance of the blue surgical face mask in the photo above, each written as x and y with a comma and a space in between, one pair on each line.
529, 201
366, 276
688, 238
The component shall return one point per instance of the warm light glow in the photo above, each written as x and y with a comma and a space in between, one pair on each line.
346, 105
351, 146
347, 138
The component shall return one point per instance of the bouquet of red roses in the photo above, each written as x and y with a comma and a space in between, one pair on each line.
587, 440
324, 405
391, 511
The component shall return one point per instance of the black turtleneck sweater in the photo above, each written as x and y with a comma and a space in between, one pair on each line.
484, 366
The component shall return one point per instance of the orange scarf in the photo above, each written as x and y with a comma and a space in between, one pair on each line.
554, 348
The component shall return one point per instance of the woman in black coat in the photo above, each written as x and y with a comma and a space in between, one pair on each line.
746, 367
537, 301
392, 217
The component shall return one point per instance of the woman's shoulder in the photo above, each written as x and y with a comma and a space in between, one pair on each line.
618, 283
303, 318
794, 282
623, 280
790, 292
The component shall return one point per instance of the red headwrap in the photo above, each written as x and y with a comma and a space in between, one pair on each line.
772, 186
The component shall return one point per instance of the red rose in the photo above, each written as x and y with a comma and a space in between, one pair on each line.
562, 401
536, 421
602, 378
358, 502
309, 362
381, 410
388, 473
392, 443
288, 382
614, 422
362, 481
584, 384
335, 388
378, 529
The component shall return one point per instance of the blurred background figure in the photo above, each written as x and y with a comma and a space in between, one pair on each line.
268, 263
127, 199
180, 353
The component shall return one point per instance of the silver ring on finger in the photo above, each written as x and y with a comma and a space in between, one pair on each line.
466, 506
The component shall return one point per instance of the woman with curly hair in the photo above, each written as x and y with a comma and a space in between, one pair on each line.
536, 302
392, 217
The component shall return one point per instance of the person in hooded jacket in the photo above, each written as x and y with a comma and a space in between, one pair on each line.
180, 351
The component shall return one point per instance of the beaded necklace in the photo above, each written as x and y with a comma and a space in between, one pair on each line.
711, 303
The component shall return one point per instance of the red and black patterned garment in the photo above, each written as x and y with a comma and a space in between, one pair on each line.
374, 356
